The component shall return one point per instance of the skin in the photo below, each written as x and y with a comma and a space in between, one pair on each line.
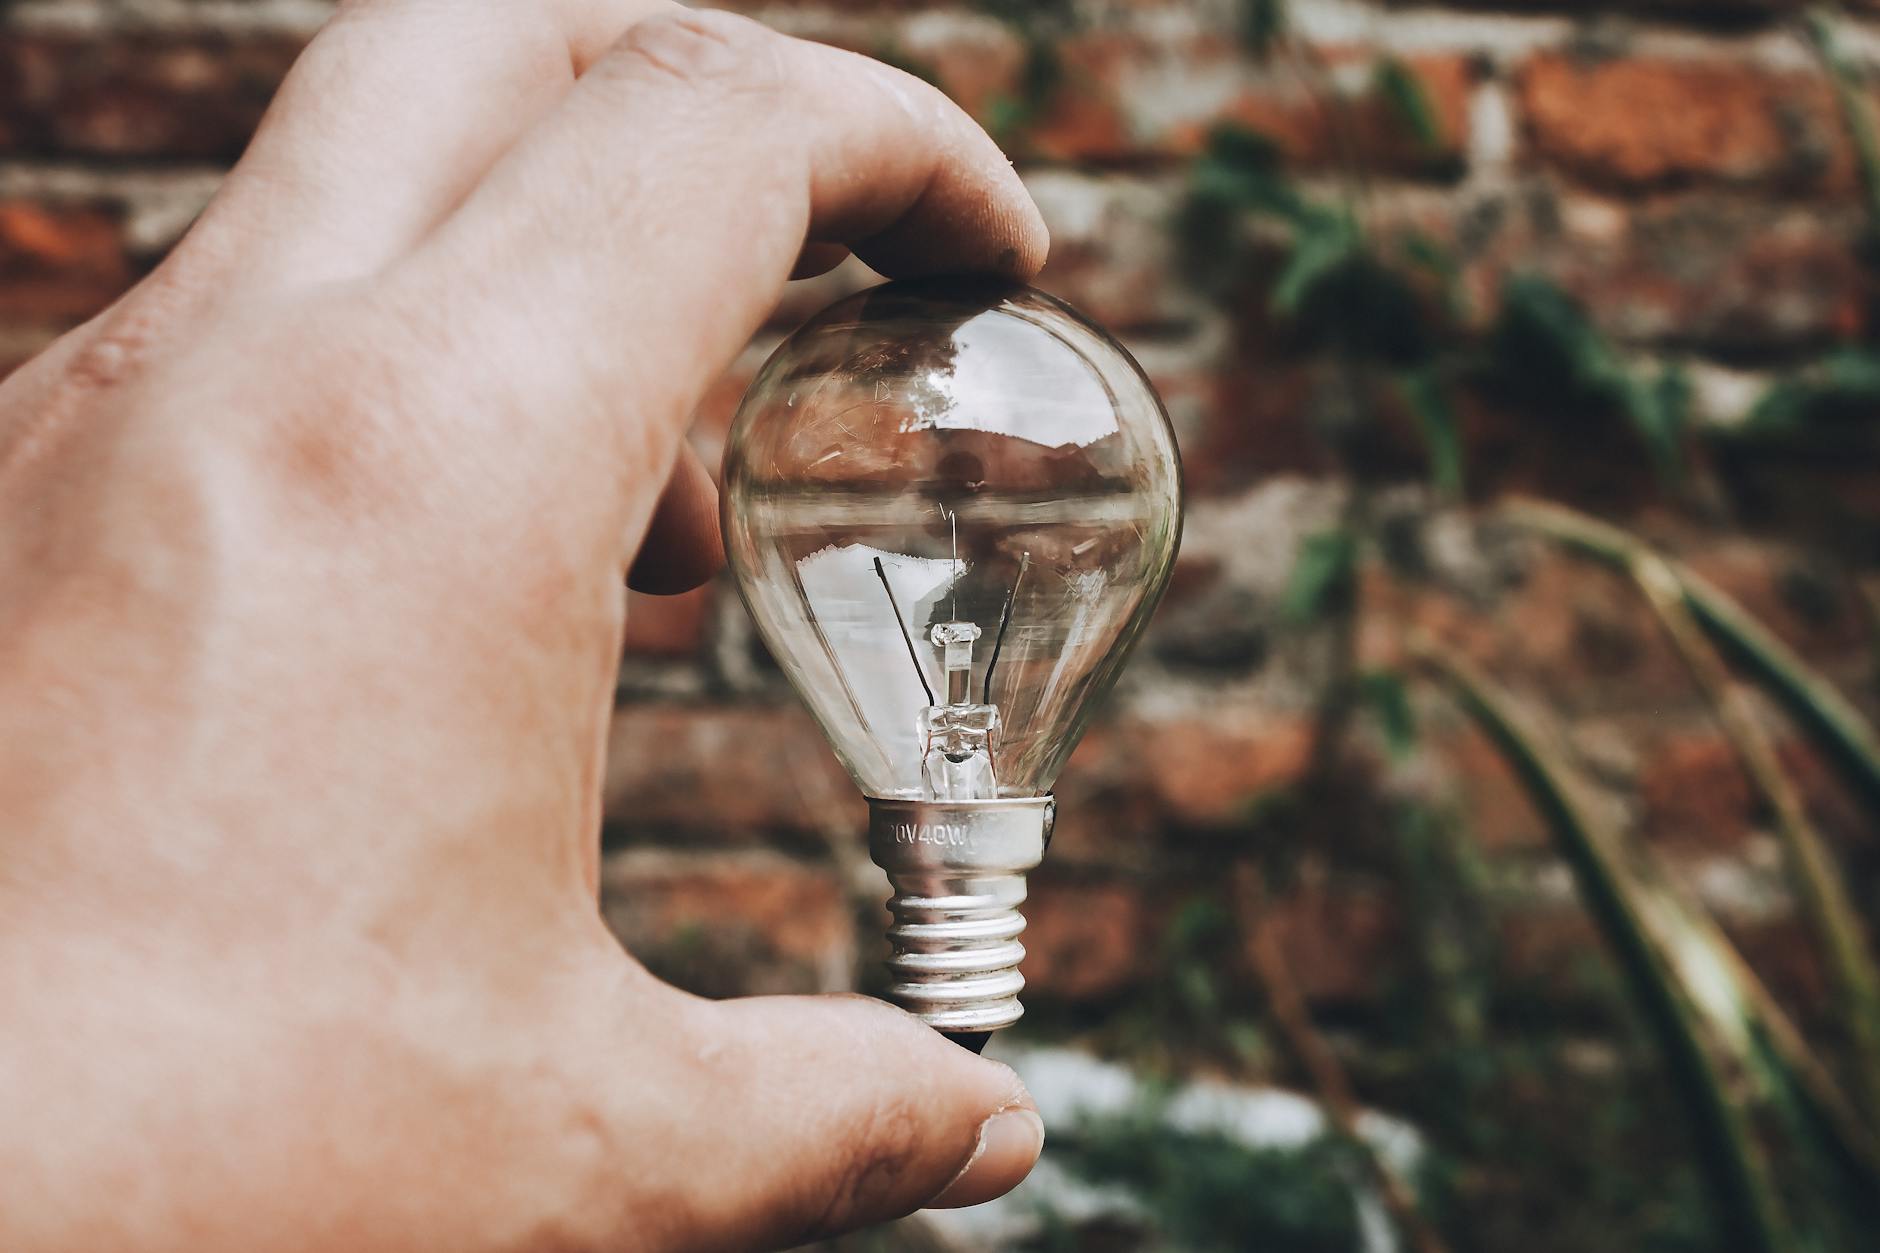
311, 558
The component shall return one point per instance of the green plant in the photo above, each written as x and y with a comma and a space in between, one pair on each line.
1675, 966
1399, 356
1204, 1192
1668, 588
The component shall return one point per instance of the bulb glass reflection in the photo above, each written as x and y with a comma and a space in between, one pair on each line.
950, 508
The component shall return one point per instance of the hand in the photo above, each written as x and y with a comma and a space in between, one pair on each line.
311, 553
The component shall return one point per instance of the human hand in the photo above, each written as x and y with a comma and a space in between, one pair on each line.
310, 601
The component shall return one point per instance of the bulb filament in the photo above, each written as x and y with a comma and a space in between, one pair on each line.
959, 740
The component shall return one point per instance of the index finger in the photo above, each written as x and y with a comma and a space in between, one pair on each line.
636, 237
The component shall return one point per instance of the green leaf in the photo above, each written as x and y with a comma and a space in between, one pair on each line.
1208, 238
1545, 335
1248, 191
1549, 350
1852, 101
1683, 975
1243, 148
1441, 262
1242, 166
1198, 924
1844, 387
1431, 255
1245, 1040
1206, 1191
1367, 311
1246, 166
1029, 16
1401, 88
1322, 571
1428, 401
1039, 79
1320, 249
1195, 988
1265, 24
1042, 75
1389, 700
1660, 411
1005, 115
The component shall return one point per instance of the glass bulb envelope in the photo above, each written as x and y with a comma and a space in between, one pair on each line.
950, 507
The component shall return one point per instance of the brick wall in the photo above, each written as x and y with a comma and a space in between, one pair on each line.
1677, 166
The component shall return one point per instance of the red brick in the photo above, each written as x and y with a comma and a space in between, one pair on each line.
1115, 104
1257, 425
1106, 815
1390, 609
1727, 15
1761, 580
1096, 939
668, 626
1086, 116
1340, 942
59, 263
1575, 629
761, 9
1194, 575
195, 95
1499, 812
1128, 93
1731, 274
1209, 773
1652, 122
1693, 789
727, 924
732, 773
1112, 253
1819, 486
1569, 632
1704, 11
1130, 777
1721, 269
1087, 941
1367, 129
1785, 955
977, 64
1726, 269
1554, 945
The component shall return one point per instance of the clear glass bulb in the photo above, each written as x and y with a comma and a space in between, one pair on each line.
950, 507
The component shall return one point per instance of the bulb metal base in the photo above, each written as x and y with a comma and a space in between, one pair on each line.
958, 871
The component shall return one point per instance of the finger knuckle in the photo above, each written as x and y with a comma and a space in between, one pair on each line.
719, 53
111, 358
128, 341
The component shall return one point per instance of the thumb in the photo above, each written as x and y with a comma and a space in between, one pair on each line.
816, 1115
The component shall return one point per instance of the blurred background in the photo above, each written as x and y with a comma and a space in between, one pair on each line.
1481, 852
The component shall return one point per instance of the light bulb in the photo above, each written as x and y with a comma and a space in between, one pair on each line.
950, 507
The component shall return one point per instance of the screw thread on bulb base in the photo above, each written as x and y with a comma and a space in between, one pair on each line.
955, 949
958, 872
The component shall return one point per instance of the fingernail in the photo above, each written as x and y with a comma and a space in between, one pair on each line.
1009, 1144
